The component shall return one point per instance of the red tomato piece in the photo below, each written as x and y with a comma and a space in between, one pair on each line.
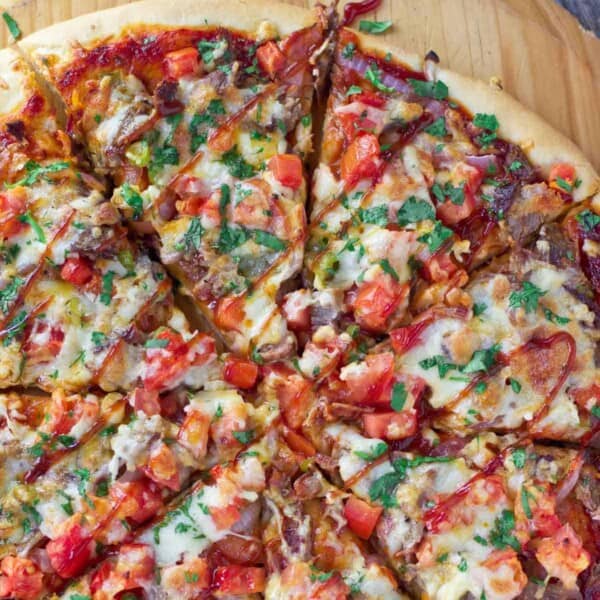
450, 213
20, 578
270, 58
230, 313
70, 552
137, 500
371, 99
361, 516
564, 172
371, 380
225, 516
287, 169
235, 579
405, 338
12, 206
361, 159
390, 425
376, 301
163, 467
240, 373
294, 397
77, 271
181, 62
194, 433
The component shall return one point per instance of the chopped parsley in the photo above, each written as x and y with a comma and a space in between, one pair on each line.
479, 308
456, 195
501, 536
231, 238
35, 171
490, 124
374, 27
376, 215
554, 318
354, 89
382, 489
161, 156
268, 240
107, 285
373, 76
515, 165
518, 457
482, 360
244, 437
133, 199
192, 237
379, 450
429, 89
399, 396
35, 226
525, 496
515, 385
415, 210
14, 327
12, 25
564, 185
156, 343
588, 220
387, 268
480, 387
436, 237
98, 338
10, 293
437, 128
348, 50
439, 361
527, 297
236, 165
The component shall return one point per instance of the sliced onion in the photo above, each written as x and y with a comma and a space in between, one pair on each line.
482, 162
568, 483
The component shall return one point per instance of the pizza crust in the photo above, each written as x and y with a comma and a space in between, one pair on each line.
542, 144
87, 30
15, 81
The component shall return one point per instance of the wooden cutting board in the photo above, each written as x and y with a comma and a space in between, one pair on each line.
536, 48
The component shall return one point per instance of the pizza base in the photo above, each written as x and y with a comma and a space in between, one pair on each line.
542, 144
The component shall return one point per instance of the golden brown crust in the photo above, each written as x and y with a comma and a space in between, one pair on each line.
543, 145
87, 30
16, 81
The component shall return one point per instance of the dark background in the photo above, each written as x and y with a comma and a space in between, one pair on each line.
587, 11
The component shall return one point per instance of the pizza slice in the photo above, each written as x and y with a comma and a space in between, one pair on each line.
203, 125
424, 175
82, 473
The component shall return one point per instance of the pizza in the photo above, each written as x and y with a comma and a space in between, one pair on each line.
287, 312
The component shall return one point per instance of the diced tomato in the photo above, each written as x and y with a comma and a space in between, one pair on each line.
187, 579
371, 99
298, 443
390, 425
225, 516
370, 382
65, 412
376, 301
38, 352
145, 400
240, 373
294, 397
12, 206
70, 553
194, 433
77, 271
287, 169
137, 500
563, 556
361, 159
235, 579
20, 578
361, 516
564, 172
181, 62
405, 338
439, 268
132, 570
230, 313
163, 467
270, 58
450, 213
166, 364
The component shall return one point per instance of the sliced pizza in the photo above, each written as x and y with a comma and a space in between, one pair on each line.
203, 123
423, 176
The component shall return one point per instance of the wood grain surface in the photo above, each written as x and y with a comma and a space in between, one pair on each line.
539, 51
